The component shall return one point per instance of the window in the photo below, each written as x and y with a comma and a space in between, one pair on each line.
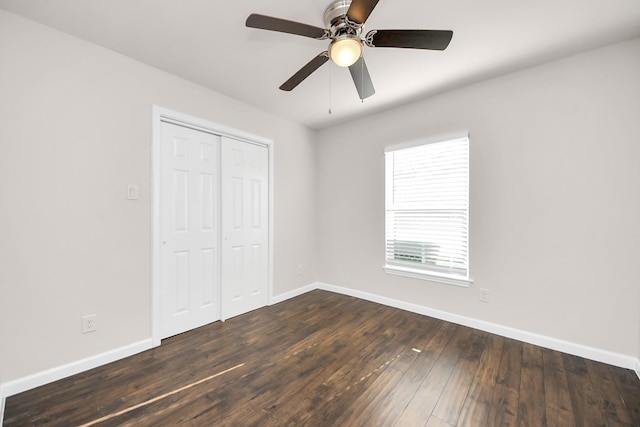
427, 210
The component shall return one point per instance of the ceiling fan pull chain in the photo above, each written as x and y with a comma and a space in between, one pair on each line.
330, 72
362, 79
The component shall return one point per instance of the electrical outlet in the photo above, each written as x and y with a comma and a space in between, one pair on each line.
89, 323
484, 295
299, 270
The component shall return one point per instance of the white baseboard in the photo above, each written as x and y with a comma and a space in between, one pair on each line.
291, 294
41, 378
575, 349
32, 381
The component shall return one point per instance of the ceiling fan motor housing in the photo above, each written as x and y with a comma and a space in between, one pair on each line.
336, 21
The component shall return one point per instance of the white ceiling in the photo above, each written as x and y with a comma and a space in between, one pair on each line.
206, 41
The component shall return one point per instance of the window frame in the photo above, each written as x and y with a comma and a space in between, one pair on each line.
424, 272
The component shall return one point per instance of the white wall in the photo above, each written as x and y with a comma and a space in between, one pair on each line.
76, 129
555, 199
554, 178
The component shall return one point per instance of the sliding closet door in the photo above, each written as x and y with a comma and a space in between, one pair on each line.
188, 226
245, 226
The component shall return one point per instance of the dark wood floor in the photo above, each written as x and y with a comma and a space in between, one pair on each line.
324, 359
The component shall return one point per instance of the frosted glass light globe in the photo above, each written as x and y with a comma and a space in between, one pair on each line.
345, 52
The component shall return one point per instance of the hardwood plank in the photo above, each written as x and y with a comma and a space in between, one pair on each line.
359, 380
504, 404
316, 363
359, 413
556, 390
612, 404
393, 347
477, 405
437, 422
320, 409
531, 406
324, 359
380, 348
391, 408
584, 400
455, 392
426, 397
629, 386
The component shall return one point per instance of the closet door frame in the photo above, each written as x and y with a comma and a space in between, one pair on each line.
159, 115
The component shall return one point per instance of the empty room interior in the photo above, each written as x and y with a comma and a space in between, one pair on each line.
321, 213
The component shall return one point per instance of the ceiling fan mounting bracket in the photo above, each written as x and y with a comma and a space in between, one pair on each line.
337, 21
335, 11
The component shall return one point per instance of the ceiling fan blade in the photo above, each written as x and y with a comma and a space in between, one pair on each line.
359, 10
305, 72
411, 39
362, 79
264, 22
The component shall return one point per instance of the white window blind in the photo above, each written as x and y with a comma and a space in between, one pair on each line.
427, 207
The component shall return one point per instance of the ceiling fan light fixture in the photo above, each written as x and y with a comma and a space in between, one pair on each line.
346, 51
344, 22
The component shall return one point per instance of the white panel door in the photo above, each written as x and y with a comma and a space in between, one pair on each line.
245, 227
188, 219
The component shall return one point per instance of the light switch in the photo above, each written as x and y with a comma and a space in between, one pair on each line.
133, 192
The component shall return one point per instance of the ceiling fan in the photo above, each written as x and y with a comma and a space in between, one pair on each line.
344, 21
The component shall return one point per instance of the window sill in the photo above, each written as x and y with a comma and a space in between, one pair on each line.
427, 275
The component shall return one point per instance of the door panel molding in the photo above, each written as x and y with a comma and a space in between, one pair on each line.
189, 230
160, 115
245, 232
